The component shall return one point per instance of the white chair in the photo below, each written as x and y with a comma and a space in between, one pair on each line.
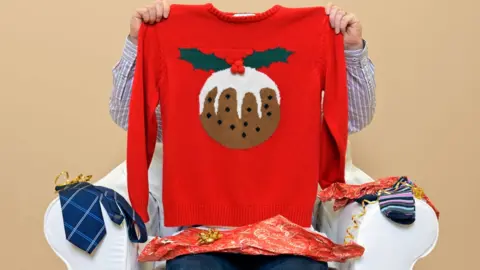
387, 245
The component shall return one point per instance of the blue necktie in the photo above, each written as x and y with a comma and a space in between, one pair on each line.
83, 219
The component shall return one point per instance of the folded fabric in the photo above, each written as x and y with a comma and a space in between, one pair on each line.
343, 193
274, 236
83, 219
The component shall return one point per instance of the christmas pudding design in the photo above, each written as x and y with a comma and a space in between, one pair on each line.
239, 106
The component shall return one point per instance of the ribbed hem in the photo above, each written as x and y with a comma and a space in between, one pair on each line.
230, 16
233, 216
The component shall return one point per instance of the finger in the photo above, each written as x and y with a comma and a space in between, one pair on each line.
158, 11
166, 8
152, 13
333, 13
347, 20
338, 18
142, 13
328, 8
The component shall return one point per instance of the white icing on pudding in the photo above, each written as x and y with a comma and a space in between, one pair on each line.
252, 81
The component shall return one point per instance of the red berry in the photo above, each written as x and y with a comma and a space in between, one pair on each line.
241, 69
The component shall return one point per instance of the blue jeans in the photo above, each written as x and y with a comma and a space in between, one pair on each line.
230, 261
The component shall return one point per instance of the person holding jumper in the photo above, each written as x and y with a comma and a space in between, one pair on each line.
361, 108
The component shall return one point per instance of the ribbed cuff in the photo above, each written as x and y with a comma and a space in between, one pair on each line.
357, 57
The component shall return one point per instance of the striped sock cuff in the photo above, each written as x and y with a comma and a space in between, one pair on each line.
397, 203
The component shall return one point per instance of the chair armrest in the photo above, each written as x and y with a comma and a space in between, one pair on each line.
388, 245
115, 252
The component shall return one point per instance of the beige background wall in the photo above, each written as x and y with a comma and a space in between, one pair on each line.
55, 79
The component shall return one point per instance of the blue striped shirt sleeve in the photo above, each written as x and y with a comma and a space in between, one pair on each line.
361, 88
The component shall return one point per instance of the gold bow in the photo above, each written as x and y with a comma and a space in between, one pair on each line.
209, 237
418, 192
80, 178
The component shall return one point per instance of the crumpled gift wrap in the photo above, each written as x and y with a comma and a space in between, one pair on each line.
343, 193
275, 236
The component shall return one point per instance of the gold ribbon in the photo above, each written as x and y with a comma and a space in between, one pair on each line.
417, 192
80, 178
350, 237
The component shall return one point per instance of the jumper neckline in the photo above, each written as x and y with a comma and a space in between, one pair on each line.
242, 16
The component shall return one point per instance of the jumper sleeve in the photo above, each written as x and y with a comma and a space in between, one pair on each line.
334, 129
122, 73
142, 122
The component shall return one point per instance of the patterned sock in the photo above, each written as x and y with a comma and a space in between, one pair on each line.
398, 203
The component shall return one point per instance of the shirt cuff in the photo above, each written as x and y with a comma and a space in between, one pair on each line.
357, 57
130, 51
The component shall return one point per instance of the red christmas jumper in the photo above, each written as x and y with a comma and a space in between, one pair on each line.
240, 97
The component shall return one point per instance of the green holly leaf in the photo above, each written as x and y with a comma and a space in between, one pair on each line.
261, 59
203, 61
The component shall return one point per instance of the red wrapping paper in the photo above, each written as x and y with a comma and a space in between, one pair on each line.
343, 194
273, 236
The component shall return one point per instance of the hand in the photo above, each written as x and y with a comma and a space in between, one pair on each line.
150, 14
347, 24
